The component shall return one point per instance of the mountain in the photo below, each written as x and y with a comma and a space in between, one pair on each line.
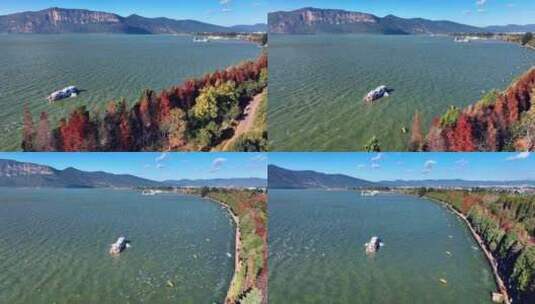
511, 28
20, 174
259, 27
222, 183
313, 20
60, 20
456, 183
280, 178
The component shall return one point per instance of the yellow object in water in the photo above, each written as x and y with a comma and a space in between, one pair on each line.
443, 281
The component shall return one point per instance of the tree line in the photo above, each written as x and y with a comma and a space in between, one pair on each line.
501, 121
194, 116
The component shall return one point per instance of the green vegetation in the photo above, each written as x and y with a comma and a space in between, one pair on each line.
372, 145
526, 38
450, 117
489, 99
250, 282
506, 223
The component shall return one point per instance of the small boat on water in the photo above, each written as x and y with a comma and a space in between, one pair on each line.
150, 192
201, 39
119, 246
461, 39
377, 93
70, 91
369, 193
373, 245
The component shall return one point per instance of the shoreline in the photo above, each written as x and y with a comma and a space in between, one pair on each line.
237, 245
491, 260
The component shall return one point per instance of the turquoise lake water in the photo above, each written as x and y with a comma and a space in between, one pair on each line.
317, 83
107, 67
54, 247
317, 253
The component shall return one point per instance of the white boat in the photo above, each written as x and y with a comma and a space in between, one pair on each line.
118, 247
373, 245
151, 192
201, 39
378, 93
369, 193
70, 91
461, 39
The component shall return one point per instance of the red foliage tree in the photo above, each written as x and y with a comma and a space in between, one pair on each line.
28, 131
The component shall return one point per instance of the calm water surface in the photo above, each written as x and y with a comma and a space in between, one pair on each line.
106, 66
317, 251
54, 247
317, 83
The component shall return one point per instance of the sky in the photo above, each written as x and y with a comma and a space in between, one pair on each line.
222, 12
473, 12
155, 166
414, 166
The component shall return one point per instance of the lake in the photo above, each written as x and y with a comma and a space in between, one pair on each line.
54, 247
317, 251
107, 67
317, 83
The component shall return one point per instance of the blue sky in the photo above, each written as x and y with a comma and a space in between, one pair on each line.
413, 166
474, 12
156, 166
223, 12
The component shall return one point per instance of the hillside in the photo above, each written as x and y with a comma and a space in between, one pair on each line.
59, 20
456, 183
220, 183
280, 178
313, 20
20, 174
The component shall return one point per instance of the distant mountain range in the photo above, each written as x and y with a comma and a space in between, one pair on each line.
19, 174
313, 21
60, 20
220, 182
23, 174
456, 183
511, 28
280, 178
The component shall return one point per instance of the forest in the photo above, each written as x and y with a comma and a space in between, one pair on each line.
500, 121
250, 283
506, 222
197, 115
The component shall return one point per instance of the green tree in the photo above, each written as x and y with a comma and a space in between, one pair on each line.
372, 145
527, 38
213, 101
253, 297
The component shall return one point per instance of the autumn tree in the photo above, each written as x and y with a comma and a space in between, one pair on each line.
28, 131
175, 126
44, 139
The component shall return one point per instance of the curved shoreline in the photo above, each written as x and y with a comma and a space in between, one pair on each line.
489, 257
237, 246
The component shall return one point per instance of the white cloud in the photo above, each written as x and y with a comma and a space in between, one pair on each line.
361, 166
161, 157
376, 166
481, 2
522, 155
428, 166
217, 164
224, 2
259, 157
377, 157
160, 166
461, 163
